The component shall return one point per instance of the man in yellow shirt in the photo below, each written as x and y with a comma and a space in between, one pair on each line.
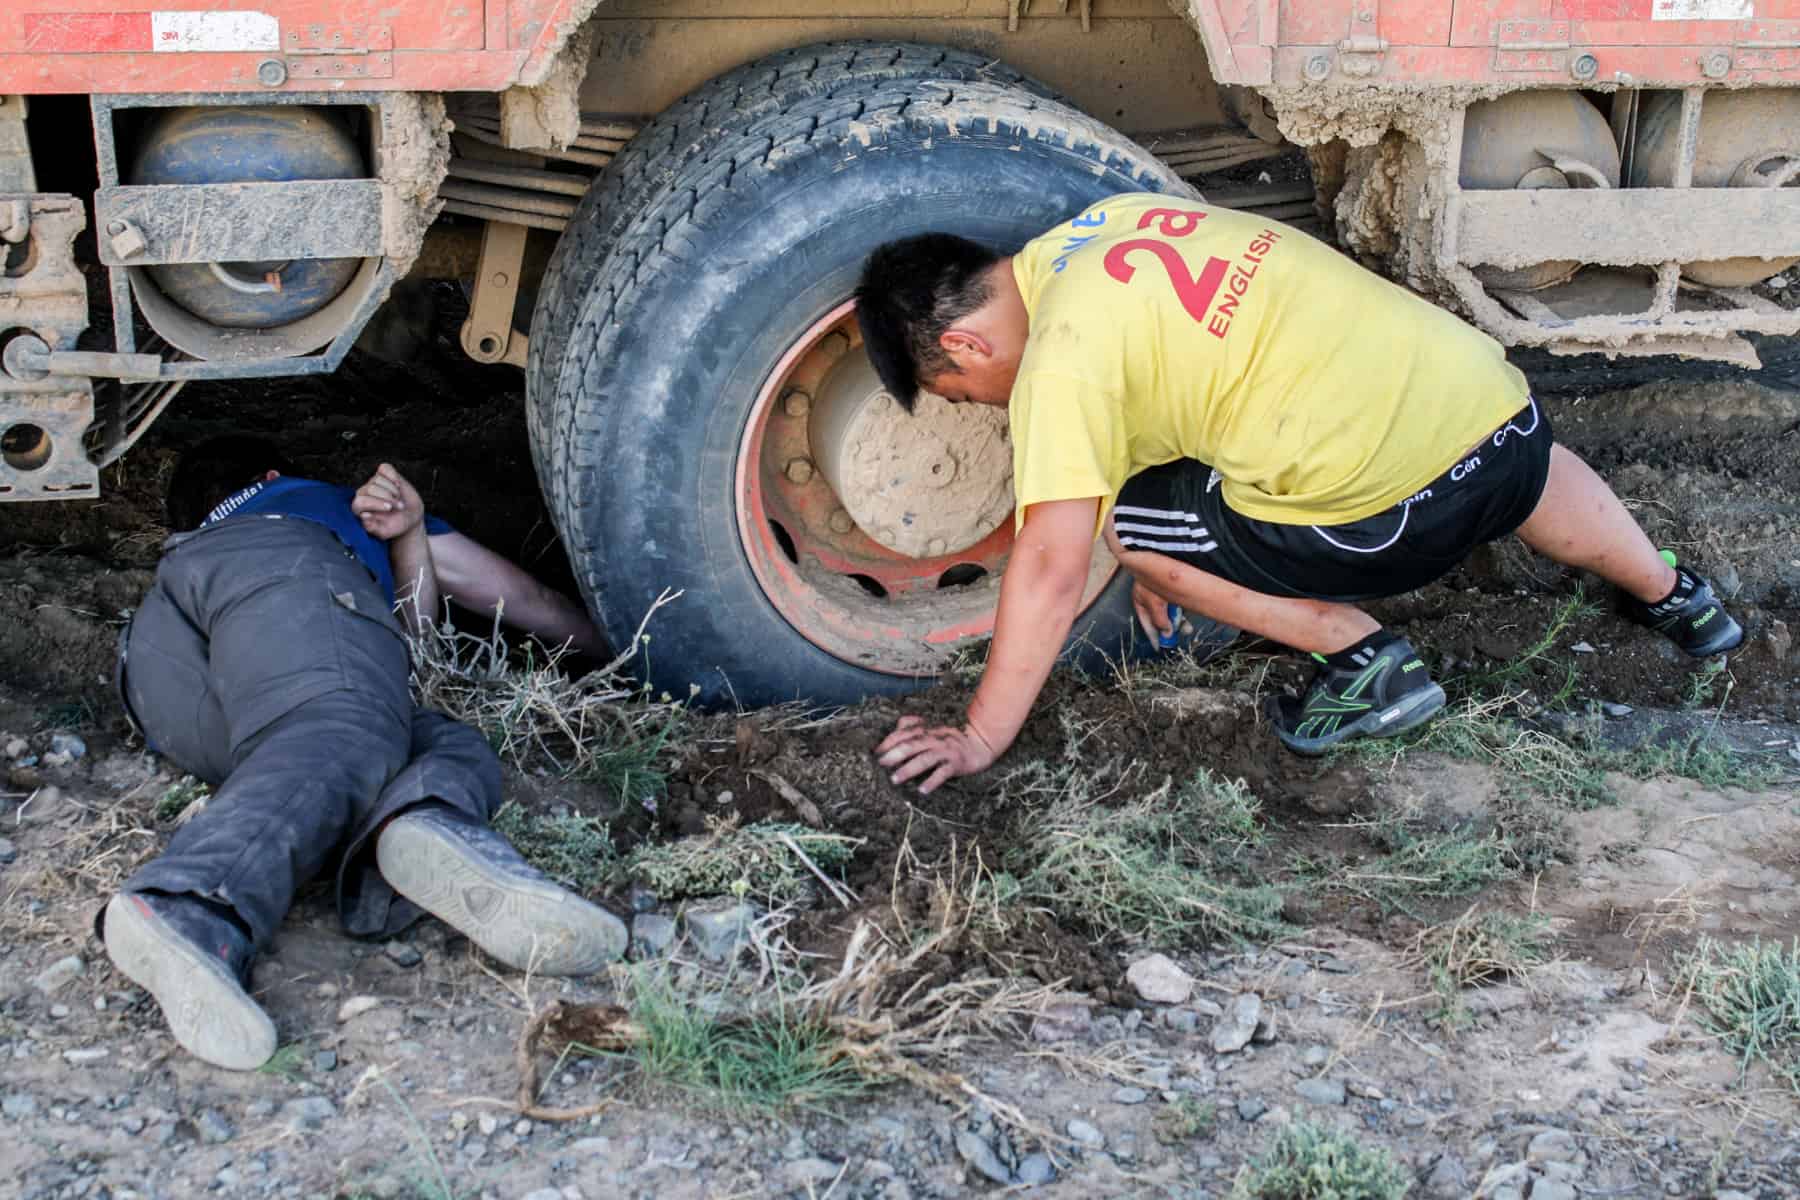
1264, 432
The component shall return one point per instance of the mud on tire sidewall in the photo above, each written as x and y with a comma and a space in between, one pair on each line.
657, 417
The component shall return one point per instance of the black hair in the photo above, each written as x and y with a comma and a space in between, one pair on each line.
912, 291
215, 469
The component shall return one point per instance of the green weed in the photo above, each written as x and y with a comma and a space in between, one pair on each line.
1697, 690
1185, 1120
1750, 995
1702, 755
774, 1060
178, 795
573, 849
1309, 1162
762, 860
288, 1062
1431, 865
1156, 868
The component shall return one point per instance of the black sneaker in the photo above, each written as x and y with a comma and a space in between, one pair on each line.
1391, 694
1698, 624
469, 877
195, 962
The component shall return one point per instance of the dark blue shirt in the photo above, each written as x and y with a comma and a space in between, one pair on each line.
325, 504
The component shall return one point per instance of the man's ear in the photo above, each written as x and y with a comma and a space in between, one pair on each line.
962, 343
271, 475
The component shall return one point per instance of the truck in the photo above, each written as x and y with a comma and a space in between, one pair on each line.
658, 209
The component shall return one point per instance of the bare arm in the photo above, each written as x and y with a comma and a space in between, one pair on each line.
390, 509
482, 581
415, 579
1039, 596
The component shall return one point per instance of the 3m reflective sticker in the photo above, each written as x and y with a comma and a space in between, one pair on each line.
180, 32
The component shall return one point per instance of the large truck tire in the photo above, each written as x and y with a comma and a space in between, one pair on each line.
689, 362
694, 127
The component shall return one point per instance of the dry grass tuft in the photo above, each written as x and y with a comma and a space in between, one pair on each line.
774, 862
601, 727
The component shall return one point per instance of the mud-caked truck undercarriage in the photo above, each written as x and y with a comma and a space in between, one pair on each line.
659, 211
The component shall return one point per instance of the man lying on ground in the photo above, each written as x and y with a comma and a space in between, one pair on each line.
268, 661
1264, 432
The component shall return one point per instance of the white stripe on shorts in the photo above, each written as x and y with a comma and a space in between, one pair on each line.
1134, 527
1160, 514
1146, 543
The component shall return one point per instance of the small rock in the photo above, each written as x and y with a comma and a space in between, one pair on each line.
1250, 1108
1235, 1029
1181, 1020
1777, 282
308, 1112
59, 974
16, 747
719, 928
641, 899
402, 954
1730, 1194
8, 851
1130, 1095
67, 745
18, 1107
1582, 648
811, 1170
1158, 980
1036, 1168
45, 804
1207, 1008
58, 1011
1613, 708
1553, 1189
1085, 1133
1314, 1057
1779, 639
1337, 966
1553, 1145
522, 1129
651, 935
1727, 580
213, 1127
1367, 1091
1062, 1023
544, 1194
1497, 999
133, 1124
356, 1006
976, 1151
325, 1060
488, 1124
1323, 1092
256, 1110
591, 1145
1449, 1179
1265, 1027
81, 1058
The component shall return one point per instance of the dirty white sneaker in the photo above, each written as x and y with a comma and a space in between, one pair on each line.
471, 878
195, 963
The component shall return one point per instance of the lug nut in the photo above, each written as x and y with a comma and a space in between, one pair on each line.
1585, 66
935, 547
1318, 67
796, 403
840, 522
799, 470
1717, 65
271, 72
835, 345
127, 242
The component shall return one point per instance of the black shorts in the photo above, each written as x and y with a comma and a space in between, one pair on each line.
1179, 510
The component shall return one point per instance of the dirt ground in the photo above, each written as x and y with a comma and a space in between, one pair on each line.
1642, 802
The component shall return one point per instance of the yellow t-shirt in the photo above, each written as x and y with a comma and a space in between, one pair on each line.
1164, 328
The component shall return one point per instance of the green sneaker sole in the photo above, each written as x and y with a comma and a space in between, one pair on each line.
212, 1017
1410, 711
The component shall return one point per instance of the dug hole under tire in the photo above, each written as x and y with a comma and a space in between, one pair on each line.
710, 344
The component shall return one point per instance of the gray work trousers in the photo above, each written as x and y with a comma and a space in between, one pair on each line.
266, 661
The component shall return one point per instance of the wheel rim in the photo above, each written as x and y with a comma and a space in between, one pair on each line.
899, 608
